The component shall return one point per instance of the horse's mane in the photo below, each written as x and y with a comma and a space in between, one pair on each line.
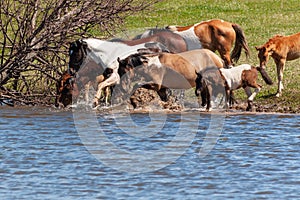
275, 37
137, 58
116, 40
150, 32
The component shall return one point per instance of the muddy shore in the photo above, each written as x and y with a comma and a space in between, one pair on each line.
149, 100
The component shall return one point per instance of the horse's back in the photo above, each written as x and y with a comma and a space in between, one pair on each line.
233, 76
284, 46
203, 57
218, 26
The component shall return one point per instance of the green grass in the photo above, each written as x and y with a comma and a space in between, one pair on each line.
260, 20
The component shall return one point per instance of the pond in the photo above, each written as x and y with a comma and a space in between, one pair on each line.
54, 154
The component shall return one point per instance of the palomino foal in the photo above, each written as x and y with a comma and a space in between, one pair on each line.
281, 49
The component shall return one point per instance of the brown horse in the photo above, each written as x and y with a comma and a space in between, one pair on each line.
65, 90
243, 76
172, 41
281, 49
216, 35
68, 88
166, 70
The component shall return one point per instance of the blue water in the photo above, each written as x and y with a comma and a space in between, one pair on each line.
45, 154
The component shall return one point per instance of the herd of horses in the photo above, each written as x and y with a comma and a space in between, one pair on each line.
173, 58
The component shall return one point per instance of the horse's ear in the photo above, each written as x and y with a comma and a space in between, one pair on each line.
198, 74
263, 48
119, 60
144, 60
84, 44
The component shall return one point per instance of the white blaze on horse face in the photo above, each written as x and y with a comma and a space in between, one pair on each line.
190, 38
233, 76
154, 60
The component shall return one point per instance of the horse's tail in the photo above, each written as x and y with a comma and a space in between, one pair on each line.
240, 42
264, 75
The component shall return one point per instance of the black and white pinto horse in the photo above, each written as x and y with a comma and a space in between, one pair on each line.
86, 52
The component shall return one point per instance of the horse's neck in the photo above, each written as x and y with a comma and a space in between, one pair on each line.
107, 52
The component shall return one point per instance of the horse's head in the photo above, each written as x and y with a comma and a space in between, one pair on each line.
263, 55
66, 89
128, 64
77, 53
129, 71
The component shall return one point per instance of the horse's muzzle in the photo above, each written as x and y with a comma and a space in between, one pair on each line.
197, 92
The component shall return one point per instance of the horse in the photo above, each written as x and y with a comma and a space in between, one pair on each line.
68, 87
216, 35
65, 90
91, 57
174, 42
165, 70
281, 49
242, 76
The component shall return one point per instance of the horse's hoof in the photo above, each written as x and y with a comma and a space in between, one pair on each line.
208, 110
250, 106
250, 109
278, 94
72, 106
94, 105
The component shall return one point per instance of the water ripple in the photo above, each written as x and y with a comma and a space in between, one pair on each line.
43, 157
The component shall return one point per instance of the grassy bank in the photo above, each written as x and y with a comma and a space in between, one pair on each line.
260, 20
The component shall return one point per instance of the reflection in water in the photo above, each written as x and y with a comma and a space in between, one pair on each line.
43, 157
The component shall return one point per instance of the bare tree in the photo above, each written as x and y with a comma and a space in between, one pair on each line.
34, 38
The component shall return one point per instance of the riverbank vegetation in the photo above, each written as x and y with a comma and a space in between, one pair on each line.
35, 37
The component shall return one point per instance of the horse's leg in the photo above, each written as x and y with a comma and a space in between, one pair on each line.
107, 94
227, 99
225, 55
113, 79
86, 92
162, 93
203, 98
280, 68
181, 97
208, 96
252, 96
248, 93
231, 98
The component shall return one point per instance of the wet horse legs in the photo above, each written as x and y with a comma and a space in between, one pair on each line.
111, 80
251, 95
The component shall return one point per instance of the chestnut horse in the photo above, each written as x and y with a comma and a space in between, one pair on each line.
68, 87
243, 76
65, 90
216, 35
281, 49
166, 70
